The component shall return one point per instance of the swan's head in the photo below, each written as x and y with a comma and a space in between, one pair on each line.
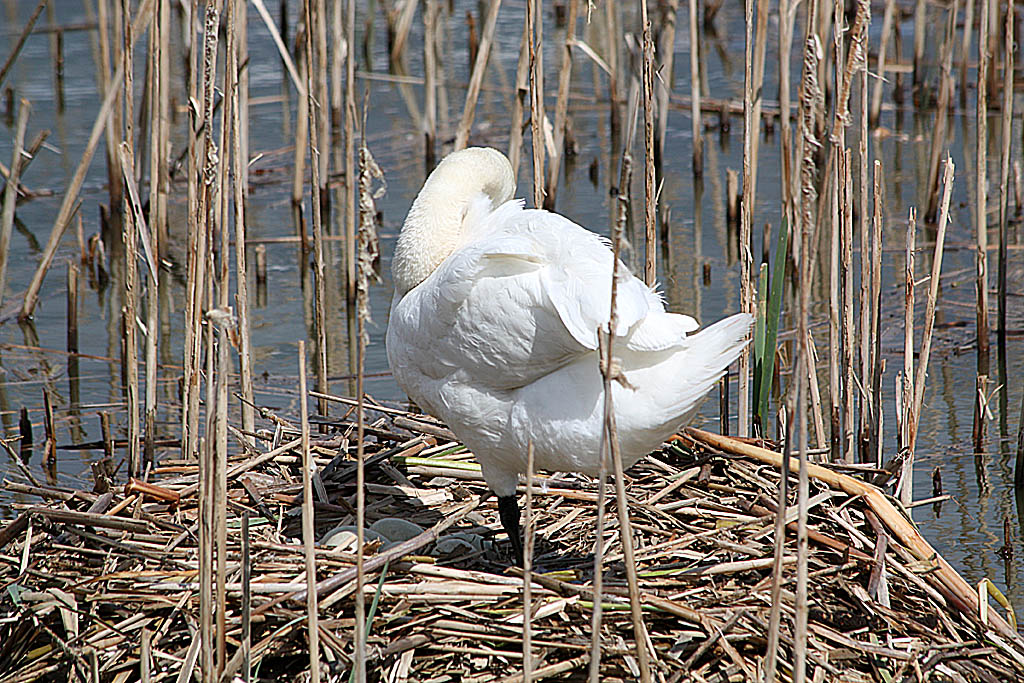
434, 227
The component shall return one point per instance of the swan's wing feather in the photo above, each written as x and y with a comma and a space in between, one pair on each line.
526, 295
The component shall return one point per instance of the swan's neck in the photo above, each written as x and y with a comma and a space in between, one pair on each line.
437, 221
431, 232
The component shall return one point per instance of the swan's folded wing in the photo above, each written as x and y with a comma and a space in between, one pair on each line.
527, 296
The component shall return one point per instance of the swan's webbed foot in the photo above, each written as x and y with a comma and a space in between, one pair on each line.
508, 512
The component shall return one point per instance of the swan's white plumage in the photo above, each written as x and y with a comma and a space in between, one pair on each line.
494, 329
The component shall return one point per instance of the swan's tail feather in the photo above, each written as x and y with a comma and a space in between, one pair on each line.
709, 354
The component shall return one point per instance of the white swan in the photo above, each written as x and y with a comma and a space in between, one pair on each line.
494, 329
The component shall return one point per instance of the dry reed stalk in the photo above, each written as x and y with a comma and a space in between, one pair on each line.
528, 570
867, 398
760, 39
846, 277
112, 121
610, 449
321, 100
351, 200
534, 9
809, 96
302, 136
515, 136
959, 594
477, 77
933, 293
1004, 175
834, 338
611, 58
618, 229
155, 86
981, 198
308, 525
965, 50
238, 166
130, 293
68, 205
161, 152
72, 310
946, 86
338, 52
907, 403
11, 191
746, 220
192, 344
650, 199
20, 42
696, 127
666, 78
368, 251
430, 13
223, 319
402, 27
286, 57
781, 502
817, 413
883, 48
875, 360
561, 107
316, 64
920, 36
245, 648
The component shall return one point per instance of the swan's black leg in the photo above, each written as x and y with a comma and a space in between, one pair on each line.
508, 511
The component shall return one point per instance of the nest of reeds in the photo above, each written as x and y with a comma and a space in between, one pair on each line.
104, 586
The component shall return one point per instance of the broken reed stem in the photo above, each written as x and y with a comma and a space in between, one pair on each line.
669, 9
561, 107
907, 417
11, 191
1004, 175
933, 293
528, 569
301, 140
876, 94
515, 135
946, 85
314, 89
697, 128
746, 218
650, 200
70, 201
20, 42
535, 23
238, 166
308, 524
476, 79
